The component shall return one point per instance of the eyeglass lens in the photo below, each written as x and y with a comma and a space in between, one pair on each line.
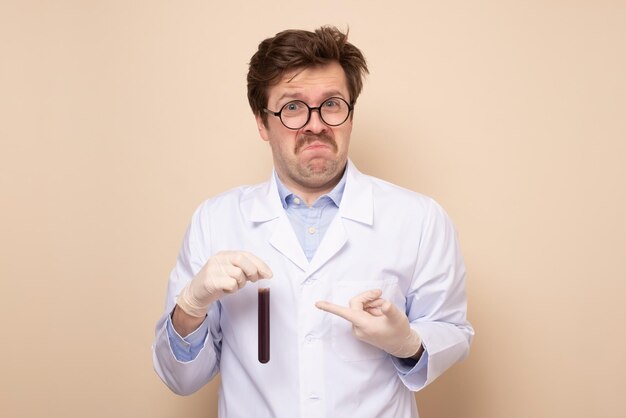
296, 114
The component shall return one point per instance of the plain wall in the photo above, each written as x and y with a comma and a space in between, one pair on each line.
117, 118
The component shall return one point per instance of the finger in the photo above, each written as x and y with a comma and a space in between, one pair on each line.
252, 266
374, 311
265, 272
373, 307
241, 261
376, 303
235, 273
230, 278
351, 315
391, 311
229, 285
361, 300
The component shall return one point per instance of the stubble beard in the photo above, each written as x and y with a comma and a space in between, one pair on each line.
319, 171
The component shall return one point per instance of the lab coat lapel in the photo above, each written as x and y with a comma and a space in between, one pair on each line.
285, 241
334, 239
264, 206
356, 205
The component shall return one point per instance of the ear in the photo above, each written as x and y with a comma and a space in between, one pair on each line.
262, 128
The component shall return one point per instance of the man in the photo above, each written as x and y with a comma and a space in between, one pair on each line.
367, 281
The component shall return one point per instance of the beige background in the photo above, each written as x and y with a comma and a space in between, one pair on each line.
117, 118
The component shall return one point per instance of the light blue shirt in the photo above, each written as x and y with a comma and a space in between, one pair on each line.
310, 223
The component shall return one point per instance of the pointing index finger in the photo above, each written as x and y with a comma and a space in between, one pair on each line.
348, 314
356, 312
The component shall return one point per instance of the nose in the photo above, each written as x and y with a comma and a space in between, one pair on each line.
315, 124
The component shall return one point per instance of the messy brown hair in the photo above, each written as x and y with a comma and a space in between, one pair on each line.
291, 49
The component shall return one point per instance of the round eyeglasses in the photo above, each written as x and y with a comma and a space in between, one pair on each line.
296, 114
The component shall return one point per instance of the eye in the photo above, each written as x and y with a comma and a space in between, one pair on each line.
294, 107
334, 105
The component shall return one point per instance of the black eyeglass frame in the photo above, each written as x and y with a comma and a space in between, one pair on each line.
311, 109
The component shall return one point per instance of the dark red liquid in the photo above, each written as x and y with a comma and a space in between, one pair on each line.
264, 325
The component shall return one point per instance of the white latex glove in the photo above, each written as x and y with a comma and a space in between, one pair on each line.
225, 272
378, 322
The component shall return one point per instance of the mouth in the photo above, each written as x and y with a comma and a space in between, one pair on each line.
315, 146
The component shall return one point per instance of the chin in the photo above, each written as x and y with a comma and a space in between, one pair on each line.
321, 167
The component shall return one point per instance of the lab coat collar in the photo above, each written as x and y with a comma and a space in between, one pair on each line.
264, 205
356, 204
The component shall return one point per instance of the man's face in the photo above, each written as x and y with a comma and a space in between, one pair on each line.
312, 158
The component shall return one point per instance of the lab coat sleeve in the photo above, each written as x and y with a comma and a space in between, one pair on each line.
185, 375
437, 302
186, 348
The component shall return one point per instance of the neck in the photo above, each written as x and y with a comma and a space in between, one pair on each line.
310, 193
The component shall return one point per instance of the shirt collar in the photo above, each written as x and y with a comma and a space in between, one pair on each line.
335, 195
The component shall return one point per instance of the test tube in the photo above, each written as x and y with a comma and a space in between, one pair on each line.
264, 321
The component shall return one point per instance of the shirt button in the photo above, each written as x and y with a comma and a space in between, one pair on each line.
309, 338
314, 396
296, 201
311, 230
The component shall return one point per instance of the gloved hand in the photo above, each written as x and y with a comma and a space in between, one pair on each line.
225, 272
378, 322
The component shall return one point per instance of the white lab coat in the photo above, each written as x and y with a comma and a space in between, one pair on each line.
383, 237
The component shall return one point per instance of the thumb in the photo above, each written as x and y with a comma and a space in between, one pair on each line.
392, 312
227, 285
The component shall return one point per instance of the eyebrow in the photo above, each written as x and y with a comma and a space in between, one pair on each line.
300, 96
